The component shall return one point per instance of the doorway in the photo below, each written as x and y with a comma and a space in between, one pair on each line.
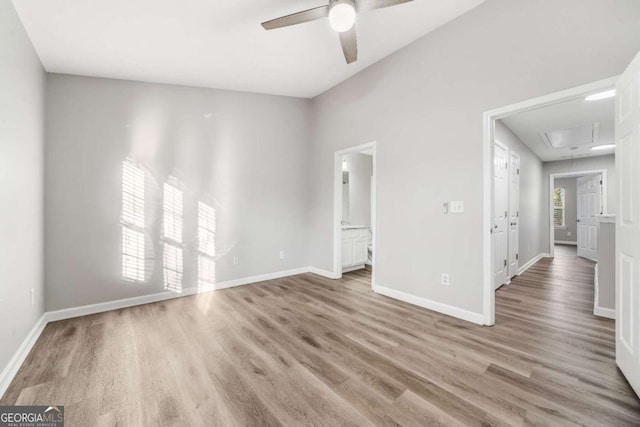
489, 216
354, 219
574, 209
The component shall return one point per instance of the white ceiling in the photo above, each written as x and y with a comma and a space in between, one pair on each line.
218, 43
531, 125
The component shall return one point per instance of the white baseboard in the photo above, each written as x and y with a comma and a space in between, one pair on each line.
609, 313
565, 242
260, 278
449, 310
354, 268
18, 358
323, 273
532, 262
69, 313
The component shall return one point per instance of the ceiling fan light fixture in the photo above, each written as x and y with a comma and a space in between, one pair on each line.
342, 16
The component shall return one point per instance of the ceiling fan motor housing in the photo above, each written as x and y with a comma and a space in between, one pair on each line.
333, 3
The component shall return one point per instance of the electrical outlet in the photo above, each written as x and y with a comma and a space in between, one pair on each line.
235, 260
32, 296
569, 233
281, 254
445, 279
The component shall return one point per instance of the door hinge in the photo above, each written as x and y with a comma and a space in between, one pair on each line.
518, 171
517, 256
600, 182
506, 165
518, 214
505, 262
506, 214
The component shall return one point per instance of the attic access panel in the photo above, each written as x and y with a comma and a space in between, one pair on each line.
573, 137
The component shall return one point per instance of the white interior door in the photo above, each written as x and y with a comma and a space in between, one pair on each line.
628, 224
589, 207
501, 186
514, 212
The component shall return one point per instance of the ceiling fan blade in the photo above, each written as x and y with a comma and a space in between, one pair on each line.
349, 43
363, 5
297, 18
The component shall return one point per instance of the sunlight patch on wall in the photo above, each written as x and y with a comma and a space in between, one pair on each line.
206, 246
173, 268
172, 224
132, 221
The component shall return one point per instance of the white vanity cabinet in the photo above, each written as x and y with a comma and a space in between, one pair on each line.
355, 242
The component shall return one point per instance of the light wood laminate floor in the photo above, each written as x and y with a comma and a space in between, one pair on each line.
306, 350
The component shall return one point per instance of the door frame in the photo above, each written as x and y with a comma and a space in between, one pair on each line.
489, 119
552, 178
337, 208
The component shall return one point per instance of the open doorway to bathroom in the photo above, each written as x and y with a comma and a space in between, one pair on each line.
355, 212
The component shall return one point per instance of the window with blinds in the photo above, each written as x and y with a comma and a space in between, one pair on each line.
559, 207
206, 246
172, 213
132, 221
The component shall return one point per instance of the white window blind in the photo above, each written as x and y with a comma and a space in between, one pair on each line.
206, 229
132, 218
172, 209
173, 268
132, 194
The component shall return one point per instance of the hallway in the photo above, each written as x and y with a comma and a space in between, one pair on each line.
549, 310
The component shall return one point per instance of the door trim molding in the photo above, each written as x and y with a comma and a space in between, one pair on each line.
489, 119
337, 208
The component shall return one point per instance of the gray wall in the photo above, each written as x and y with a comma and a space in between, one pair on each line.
360, 168
424, 105
246, 152
607, 266
568, 232
578, 165
532, 192
22, 80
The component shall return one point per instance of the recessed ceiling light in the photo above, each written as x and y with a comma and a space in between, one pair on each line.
603, 147
601, 95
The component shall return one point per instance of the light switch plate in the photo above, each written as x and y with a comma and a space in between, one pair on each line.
456, 207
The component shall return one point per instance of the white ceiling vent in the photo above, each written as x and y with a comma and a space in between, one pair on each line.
573, 137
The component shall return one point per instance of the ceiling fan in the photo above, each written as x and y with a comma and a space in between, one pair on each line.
342, 18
